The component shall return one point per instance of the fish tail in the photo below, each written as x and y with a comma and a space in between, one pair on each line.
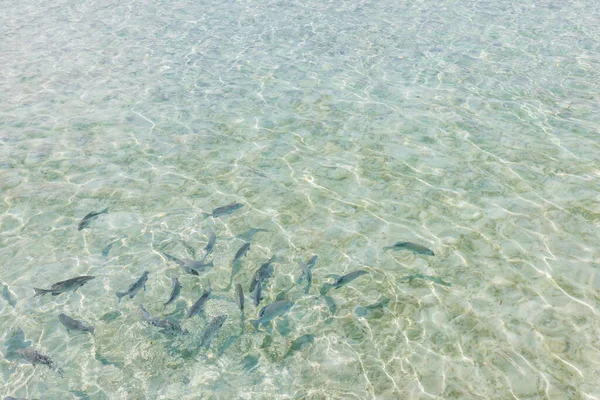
93, 330
254, 323
121, 294
387, 248
40, 292
206, 215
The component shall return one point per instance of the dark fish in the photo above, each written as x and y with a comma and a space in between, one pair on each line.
165, 324
415, 248
300, 343
215, 324
191, 266
104, 361
106, 250
240, 295
361, 311
342, 280
242, 251
224, 210
35, 357
263, 273
198, 306
433, 279
64, 286
236, 266
8, 296
249, 234
256, 295
89, 218
306, 272
175, 292
212, 239
135, 287
74, 325
270, 312
331, 304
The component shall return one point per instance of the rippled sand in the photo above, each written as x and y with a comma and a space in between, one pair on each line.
470, 128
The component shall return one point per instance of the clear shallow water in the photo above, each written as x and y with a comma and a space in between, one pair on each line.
468, 127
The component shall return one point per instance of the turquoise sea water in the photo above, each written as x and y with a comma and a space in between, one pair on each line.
468, 127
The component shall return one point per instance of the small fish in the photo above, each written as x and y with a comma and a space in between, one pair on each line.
236, 266
331, 304
212, 239
361, 311
175, 292
198, 306
104, 361
35, 357
214, 326
165, 324
74, 325
270, 312
89, 218
300, 344
240, 295
224, 210
263, 273
106, 250
64, 286
135, 287
414, 247
426, 277
242, 251
8, 296
342, 280
249, 234
306, 272
257, 295
192, 267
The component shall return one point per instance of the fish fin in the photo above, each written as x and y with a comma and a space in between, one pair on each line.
40, 292
254, 323
55, 294
144, 288
334, 276
105, 211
